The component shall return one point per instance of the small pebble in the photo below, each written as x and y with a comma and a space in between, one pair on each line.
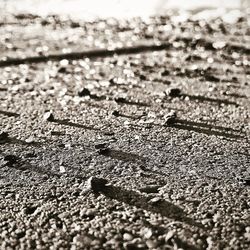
96, 184
29, 140
62, 169
84, 92
48, 116
62, 70
173, 92
170, 118
127, 237
155, 200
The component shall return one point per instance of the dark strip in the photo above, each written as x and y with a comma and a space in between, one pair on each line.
9, 113
89, 54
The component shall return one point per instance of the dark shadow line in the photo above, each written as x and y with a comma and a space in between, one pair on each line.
238, 48
3, 89
206, 131
97, 98
132, 117
118, 100
226, 133
9, 23
89, 54
235, 95
205, 125
138, 200
231, 81
128, 102
7, 113
121, 155
72, 124
208, 99
211, 78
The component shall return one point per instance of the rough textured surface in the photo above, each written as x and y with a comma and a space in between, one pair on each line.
130, 151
